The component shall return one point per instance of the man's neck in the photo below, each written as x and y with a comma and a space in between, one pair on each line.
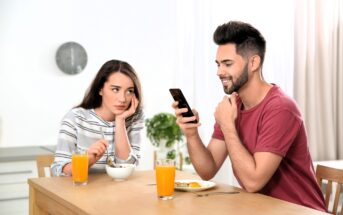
253, 93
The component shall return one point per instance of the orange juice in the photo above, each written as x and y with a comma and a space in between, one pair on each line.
165, 178
80, 168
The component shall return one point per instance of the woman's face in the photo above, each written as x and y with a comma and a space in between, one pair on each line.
117, 94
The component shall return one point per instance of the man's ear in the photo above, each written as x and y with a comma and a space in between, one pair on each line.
255, 62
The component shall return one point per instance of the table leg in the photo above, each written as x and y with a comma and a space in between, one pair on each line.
33, 208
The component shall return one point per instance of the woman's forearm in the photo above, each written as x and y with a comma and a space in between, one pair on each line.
122, 144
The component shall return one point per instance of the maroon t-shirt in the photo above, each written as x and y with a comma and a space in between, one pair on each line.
275, 125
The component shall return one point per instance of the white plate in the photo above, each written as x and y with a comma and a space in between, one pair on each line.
205, 185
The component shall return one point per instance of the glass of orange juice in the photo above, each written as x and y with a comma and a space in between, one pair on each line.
79, 165
165, 178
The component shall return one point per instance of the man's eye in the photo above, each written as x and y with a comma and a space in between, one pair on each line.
228, 64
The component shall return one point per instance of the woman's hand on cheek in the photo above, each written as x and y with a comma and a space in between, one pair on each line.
130, 111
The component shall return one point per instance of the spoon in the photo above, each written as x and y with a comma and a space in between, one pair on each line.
109, 160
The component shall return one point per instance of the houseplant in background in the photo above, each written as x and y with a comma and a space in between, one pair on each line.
166, 136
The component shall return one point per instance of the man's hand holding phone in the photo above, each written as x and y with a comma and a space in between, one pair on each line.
187, 119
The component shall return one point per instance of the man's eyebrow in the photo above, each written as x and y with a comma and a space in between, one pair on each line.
224, 61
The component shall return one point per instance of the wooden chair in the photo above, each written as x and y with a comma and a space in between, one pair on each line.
44, 162
330, 175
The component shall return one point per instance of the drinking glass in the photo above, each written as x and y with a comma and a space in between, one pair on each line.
79, 164
165, 178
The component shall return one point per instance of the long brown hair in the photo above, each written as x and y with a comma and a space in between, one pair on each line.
92, 98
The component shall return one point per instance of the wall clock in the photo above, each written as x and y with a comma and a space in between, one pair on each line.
71, 58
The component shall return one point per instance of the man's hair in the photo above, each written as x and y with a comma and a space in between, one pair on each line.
248, 39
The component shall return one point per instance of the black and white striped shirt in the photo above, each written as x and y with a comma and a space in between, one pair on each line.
82, 127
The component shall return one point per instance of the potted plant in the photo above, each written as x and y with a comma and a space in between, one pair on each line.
166, 136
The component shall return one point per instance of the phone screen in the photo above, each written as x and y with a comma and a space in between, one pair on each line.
178, 96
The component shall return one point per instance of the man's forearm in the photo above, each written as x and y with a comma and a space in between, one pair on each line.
242, 161
201, 158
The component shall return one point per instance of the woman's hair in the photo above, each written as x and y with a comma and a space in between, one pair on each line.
248, 39
92, 98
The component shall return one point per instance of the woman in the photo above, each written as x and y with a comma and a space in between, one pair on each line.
108, 120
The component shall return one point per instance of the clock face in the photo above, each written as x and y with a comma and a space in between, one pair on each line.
71, 58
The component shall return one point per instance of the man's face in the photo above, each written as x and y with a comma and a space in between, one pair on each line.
232, 69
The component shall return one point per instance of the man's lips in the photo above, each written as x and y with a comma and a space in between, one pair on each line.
225, 81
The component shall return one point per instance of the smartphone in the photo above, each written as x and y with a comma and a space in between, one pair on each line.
178, 96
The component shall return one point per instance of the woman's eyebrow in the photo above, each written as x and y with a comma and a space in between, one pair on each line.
117, 86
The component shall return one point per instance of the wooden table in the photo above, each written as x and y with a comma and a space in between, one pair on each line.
136, 195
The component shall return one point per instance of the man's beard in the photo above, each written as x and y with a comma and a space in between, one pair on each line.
242, 79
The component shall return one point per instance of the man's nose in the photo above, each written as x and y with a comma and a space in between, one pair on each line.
220, 70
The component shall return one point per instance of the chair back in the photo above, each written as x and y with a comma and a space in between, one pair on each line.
43, 165
331, 176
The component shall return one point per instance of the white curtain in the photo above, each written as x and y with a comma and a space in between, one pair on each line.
318, 78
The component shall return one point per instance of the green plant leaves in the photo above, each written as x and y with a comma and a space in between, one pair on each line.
188, 160
171, 154
162, 126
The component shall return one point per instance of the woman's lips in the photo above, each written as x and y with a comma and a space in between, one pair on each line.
120, 107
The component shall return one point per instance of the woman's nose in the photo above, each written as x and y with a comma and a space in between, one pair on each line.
122, 97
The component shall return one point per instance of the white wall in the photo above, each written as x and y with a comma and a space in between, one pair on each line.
35, 94
169, 43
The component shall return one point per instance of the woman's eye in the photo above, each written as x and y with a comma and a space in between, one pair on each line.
129, 92
115, 89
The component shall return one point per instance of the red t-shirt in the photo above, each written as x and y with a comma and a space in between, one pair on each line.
275, 125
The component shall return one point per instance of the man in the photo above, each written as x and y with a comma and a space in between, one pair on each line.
257, 125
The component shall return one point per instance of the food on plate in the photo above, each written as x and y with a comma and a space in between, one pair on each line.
188, 184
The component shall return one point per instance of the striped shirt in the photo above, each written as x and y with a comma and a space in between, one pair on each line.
82, 127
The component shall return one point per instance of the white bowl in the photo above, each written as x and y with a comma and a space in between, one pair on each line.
120, 172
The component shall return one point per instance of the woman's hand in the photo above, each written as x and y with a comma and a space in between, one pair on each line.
97, 150
130, 111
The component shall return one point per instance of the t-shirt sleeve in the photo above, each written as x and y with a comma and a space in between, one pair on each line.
217, 132
67, 140
278, 130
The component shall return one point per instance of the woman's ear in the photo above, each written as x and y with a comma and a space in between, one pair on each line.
100, 92
255, 62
